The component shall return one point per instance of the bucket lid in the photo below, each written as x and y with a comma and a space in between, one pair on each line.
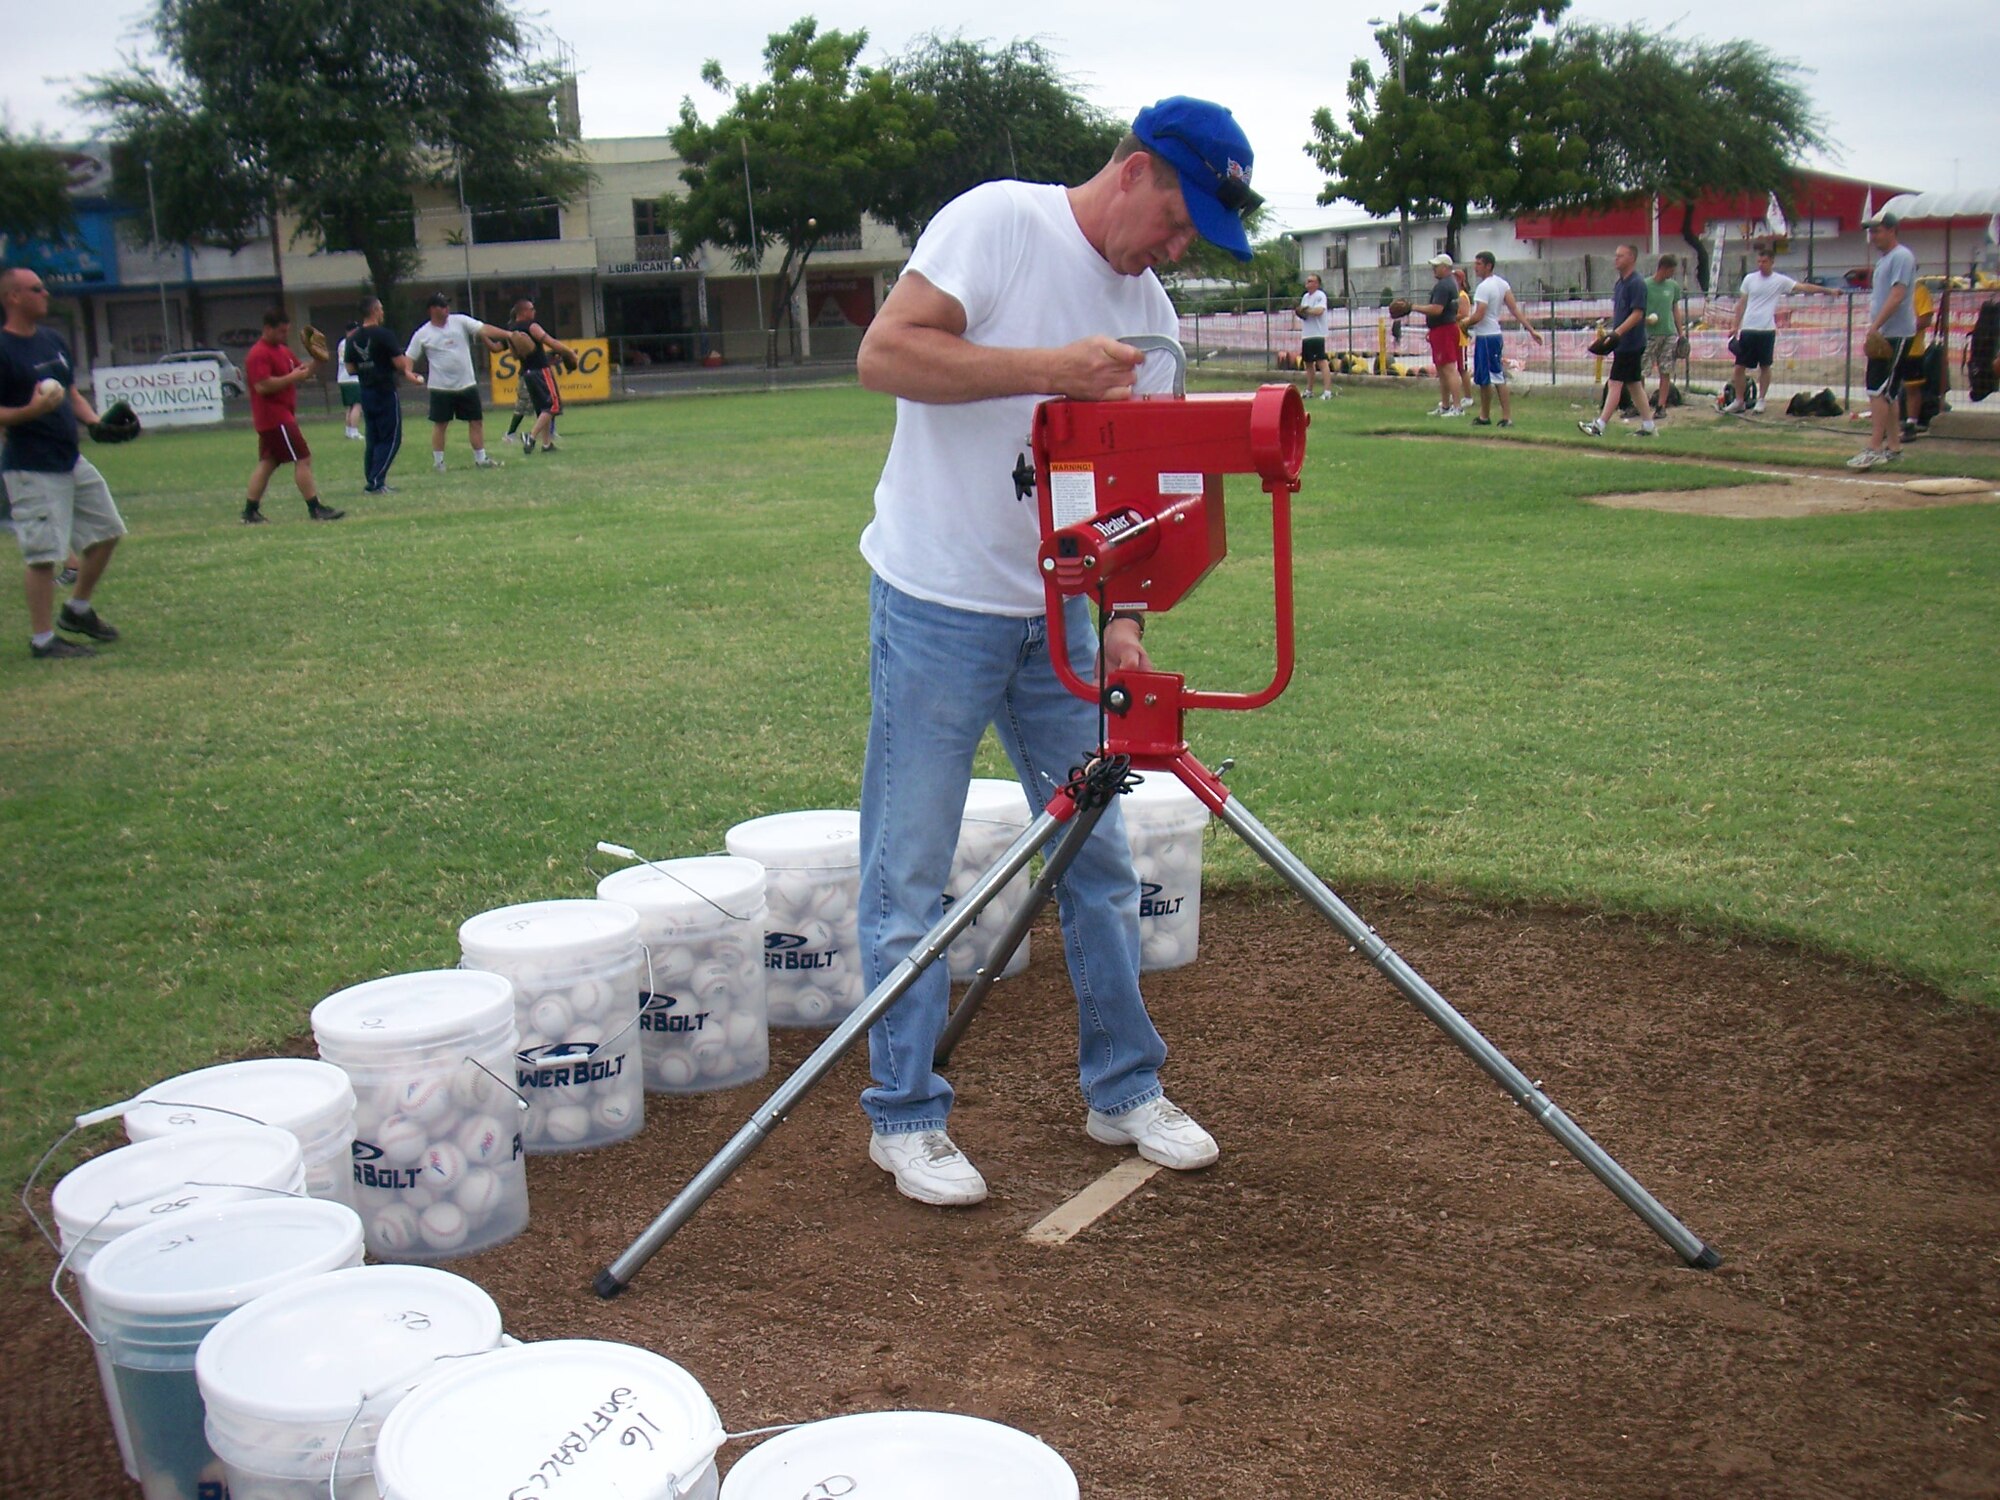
297, 1093
310, 1351
904, 1455
541, 931
413, 1010
1161, 794
689, 887
484, 1426
121, 1190
991, 800
218, 1258
822, 839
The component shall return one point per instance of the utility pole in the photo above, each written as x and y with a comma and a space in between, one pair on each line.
756, 256
153, 207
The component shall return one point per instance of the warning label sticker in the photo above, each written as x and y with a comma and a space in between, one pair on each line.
1180, 484
1072, 492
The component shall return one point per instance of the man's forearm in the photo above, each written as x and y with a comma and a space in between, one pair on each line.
931, 365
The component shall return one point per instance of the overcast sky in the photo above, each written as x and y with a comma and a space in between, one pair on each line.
1907, 101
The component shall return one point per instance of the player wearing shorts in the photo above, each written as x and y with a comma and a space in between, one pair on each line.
1312, 339
1628, 326
1892, 316
275, 374
1913, 365
1756, 326
1665, 327
538, 376
350, 388
1447, 346
1489, 345
451, 344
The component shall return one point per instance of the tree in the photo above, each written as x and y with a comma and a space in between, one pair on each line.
1475, 110
1680, 119
824, 144
1008, 111
34, 190
335, 110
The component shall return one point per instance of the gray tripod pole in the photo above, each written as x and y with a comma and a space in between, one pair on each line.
1490, 1059
615, 1277
1053, 869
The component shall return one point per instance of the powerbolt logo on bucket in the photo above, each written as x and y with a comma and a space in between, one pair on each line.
787, 950
370, 1173
669, 1013
1153, 904
560, 1064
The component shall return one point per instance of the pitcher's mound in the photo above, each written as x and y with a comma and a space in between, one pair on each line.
1810, 495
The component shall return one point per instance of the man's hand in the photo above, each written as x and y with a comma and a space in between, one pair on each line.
1122, 649
45, 399
1098, 368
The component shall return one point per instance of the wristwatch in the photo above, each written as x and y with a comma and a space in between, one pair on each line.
1136, 616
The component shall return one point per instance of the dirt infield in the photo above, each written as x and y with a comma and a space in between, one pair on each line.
1393, 1284
1809, 493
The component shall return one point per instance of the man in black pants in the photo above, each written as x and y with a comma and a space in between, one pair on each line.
538, 377
375, 358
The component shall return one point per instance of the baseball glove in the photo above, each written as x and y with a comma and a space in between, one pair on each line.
316, 345
117, 424
1604, 343
1399, 308
1878, 347
569, 362
1681, 347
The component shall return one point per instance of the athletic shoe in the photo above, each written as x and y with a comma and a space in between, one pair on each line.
1758, 409
487, 463
1867, 458
1892, 455
1644, 429
1326, 395
379, 489
318, 512
1436, 411
1591, 429
1482, 421
1505, 422
254, 516
58, 649
1734, 409
1454, 412
1162, 1131
1467, 405
548, 447
928, 1168
85, 621
67, 576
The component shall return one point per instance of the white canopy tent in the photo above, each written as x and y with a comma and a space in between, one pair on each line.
1969, 203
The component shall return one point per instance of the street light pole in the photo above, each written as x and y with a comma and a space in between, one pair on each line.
153, 207
1403, 207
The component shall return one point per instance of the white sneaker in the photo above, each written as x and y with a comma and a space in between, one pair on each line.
1734, 409
1892, 455
1326, 395
928, 1167
1646, 429
486, 463
1161, 1129
1758, 409
1451, 411
1468, 404
1591, 429
1867, 458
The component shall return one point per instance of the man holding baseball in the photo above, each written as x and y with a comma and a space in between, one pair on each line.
537, 379
1666, 329
275, 374
1014, 293
58, 498
1312, 339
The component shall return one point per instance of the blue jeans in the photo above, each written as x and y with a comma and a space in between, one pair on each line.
382, 419
938, 676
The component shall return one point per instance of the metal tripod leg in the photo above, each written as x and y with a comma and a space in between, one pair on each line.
1053, 869
1490, 1059
614, 1278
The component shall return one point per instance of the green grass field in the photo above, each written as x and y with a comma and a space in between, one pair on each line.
319, 748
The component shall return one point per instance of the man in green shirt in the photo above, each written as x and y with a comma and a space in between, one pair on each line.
1666, 326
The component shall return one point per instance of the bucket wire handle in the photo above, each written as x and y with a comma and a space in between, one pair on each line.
624, 853
634, 1021
519, 1097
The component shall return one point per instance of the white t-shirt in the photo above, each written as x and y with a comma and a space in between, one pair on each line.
340, 371
1312, 315
1760, 295
449, 350
947, 525
1491, 294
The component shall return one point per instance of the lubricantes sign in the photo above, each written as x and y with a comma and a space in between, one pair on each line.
589, 381
179, 395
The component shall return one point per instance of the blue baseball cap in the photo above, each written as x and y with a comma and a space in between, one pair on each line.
1212, 155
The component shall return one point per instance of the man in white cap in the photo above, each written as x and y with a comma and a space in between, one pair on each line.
1447, 343
1015, 292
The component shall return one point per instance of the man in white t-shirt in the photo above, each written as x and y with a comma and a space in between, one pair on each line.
1312, 339
1489, 344
1016, 292
1754, 335
455, 347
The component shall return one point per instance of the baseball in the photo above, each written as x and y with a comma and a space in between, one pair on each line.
427, 1097
741, 1030
471, 1087
442, 1167
811, 1004
568, 1123
614, 1113
1651, 319
401, 1140
673, 1070
45, 387
713, 982
484, 1140
550, 1017
393, 1230
443, 1226
478, 1194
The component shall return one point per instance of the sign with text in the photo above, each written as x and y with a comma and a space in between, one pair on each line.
179, 395
590, 381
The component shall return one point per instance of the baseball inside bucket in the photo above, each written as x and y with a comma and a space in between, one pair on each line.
701, 920
438, 1167
996, 812
577, 968
812, 881
1164, 823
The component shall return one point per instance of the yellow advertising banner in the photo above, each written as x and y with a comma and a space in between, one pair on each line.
590, 381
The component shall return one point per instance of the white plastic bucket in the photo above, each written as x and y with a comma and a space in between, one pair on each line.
313, 1100
438, 1167
1164, 823
996, 812
704, 1024
812, 882
154, 1294
903, 1455
298, 1383
137, 1185
586, 1418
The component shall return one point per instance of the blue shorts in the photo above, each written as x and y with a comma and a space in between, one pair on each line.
1488, 367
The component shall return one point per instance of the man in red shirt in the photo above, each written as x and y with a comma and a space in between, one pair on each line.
274, 374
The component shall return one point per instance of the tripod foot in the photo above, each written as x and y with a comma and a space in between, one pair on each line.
1708, 1260
607, 1286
